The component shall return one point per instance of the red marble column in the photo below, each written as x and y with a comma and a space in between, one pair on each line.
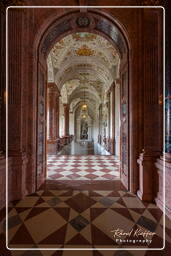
66, 116
2, 180
152, 109
52, 117
16, 107
2, 113
57, 115
163, 164
112, 139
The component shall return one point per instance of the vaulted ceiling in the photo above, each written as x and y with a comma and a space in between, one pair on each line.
83, 66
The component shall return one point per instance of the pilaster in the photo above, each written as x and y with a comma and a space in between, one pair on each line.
53, 117
163, 164
16, 107
112, 139
152, 108
2, 180
66, 117
17, 176
2, 83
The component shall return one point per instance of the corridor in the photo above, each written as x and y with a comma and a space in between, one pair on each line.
85, 164
82, 161
83, 148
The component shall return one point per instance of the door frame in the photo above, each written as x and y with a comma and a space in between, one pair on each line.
68, 24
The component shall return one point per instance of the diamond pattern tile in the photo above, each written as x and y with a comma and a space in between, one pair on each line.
82, 218
82, 167
79, 223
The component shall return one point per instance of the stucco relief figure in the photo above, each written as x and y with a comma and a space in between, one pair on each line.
84, 130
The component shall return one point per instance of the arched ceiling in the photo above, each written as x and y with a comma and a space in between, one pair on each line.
83, 65
92, 112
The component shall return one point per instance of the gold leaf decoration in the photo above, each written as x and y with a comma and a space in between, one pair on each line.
84, 51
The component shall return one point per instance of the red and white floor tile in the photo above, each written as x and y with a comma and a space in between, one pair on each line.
69, 167
72, 218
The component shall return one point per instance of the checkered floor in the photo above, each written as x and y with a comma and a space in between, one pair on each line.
89, 167
83, 219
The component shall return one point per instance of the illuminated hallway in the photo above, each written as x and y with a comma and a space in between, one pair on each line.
83, 148
85, 131
94, 168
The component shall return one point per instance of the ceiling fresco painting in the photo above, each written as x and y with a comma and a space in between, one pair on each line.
83, 66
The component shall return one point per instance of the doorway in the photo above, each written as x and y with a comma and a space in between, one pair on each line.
77, 82
83, 109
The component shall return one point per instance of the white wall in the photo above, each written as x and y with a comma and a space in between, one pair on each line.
111, 116
61, 118
71, 123
95, 129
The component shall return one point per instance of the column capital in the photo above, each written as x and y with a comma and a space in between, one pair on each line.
53, 88
112, 86
108, 93
66, 105
118, 81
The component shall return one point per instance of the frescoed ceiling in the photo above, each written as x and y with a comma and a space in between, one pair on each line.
83, 45
83, 62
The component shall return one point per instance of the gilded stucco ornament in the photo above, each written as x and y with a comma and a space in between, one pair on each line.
84, 51
83, 44
86, 65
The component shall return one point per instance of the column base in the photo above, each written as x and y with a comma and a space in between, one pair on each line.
52, 147
30, 174
2, 180
160, 163
147, 176
145, 197
112, 146
17, 176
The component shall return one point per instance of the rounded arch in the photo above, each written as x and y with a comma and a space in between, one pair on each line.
97, 22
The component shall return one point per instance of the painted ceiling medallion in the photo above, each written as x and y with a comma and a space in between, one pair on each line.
83, 21
84, 51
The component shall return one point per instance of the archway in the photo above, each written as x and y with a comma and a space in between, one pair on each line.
95, 22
